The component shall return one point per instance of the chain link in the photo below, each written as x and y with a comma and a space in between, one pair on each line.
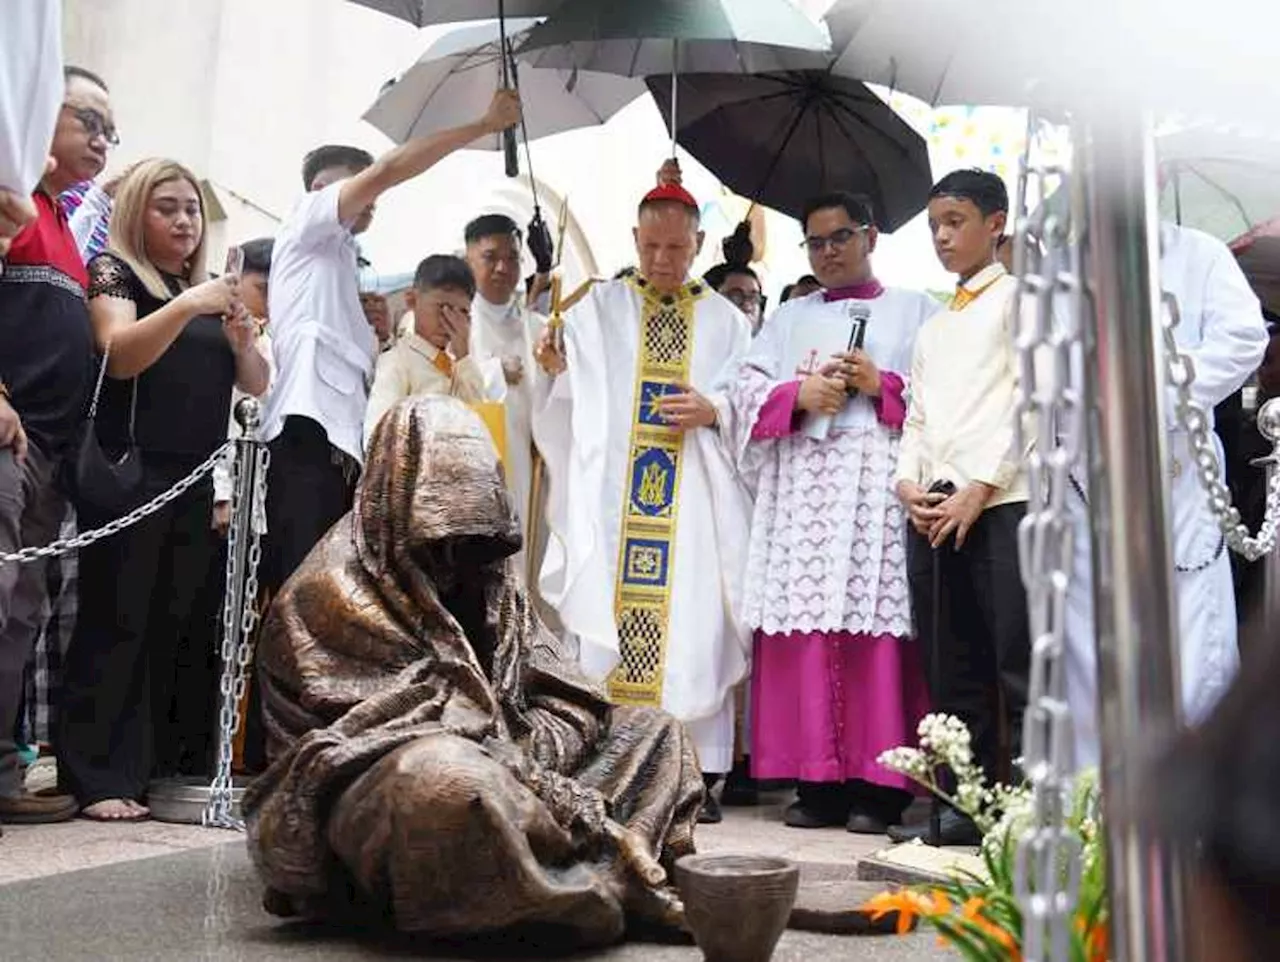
66, 545
1050, 345
1181, 372
239, 617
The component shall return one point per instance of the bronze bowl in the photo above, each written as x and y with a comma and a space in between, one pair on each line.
737, 906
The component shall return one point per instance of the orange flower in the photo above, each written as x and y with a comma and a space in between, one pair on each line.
972, 912
1098, 944
908, 904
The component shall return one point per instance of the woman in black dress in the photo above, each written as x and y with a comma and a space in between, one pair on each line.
140, 667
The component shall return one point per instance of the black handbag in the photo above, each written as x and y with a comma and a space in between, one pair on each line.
103, 485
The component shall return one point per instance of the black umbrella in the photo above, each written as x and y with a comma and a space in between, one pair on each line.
779, 139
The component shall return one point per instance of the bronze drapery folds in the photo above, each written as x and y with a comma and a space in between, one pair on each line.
438, 764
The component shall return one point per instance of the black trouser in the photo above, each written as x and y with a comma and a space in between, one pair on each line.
140, 678
978, 654
310, 486
31, 510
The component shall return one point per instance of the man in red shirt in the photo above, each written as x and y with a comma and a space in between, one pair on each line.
46, 368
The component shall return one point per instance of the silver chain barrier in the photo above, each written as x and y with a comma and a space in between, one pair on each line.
1050, 426
1193, 419
66, 545
239, 609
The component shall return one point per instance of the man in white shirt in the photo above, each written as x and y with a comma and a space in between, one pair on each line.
435, 356
31, 88
324, 346
1222, 332
962, 479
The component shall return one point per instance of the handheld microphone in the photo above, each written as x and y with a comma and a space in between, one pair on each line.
859, 316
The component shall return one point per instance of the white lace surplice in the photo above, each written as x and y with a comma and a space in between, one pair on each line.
827, 550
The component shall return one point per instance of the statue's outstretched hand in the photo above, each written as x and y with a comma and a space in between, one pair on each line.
635, 854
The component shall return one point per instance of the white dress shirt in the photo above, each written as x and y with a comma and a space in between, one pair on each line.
324, 346
31, 89
223, 486
964, 394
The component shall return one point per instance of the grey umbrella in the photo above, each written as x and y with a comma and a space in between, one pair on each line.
455, 79
677, 36
420, 13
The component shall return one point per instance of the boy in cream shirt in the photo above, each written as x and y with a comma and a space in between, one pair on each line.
962, 479
435, 356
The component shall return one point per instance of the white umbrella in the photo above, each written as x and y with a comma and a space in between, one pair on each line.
1219, 182
453, 82
424, 13
1097, 54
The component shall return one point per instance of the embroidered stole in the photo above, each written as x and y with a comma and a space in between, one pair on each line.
642, 598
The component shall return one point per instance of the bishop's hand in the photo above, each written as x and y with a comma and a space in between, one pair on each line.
687, 409
548, 354
669, 173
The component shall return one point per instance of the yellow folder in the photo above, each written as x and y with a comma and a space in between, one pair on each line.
494, 416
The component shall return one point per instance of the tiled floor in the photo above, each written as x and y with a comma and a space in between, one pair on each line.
149, 891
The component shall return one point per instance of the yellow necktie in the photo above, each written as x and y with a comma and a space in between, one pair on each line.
444, 364
964, 297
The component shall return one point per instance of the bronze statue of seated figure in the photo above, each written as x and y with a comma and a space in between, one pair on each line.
438, 764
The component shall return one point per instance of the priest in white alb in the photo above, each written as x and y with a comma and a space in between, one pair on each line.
647, 517
837, 677
504, 333
1223, 334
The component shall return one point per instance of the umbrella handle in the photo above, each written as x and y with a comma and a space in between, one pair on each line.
510, 147
675, 78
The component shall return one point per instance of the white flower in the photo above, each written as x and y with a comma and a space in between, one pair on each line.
906, 761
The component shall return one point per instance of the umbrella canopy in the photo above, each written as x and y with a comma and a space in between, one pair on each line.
453, 82
1091, 54
1259, 258
424, 13
1218, 182
780, 139
685, 36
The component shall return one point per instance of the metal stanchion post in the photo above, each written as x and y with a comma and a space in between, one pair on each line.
216, 803
1269, 428
1137, 637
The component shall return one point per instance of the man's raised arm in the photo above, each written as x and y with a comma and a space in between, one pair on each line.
420, 154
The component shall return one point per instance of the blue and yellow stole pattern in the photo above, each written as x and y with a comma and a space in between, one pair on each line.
642, 600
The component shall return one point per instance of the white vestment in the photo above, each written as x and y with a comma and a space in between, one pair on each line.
828, 534
498, 332
584, 430
1223, 333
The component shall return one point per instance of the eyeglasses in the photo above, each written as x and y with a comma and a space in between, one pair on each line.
94, 124
837, 239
